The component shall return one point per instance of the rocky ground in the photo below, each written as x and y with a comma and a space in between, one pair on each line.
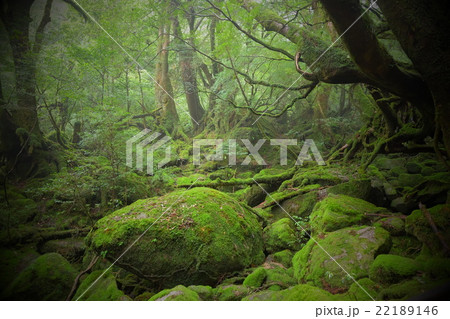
337, 234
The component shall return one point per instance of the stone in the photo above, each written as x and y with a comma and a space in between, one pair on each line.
192, 237
354, 248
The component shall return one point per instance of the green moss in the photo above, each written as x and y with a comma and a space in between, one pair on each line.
280, 277
49, 277
405, 290
179, 293
256, 278
105, 289
434, 267
204, 292
13, 261
410, 180
301, 205
145, 296
355, 292
406, 246
339, 211
416, 224
392, 268
281, 235
296, 293
360, 188
284, 257
230, 292
19, 211
413, 167
201, 233
353, 248
317, 175
394, 225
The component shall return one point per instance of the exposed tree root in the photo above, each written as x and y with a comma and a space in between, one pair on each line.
76, 282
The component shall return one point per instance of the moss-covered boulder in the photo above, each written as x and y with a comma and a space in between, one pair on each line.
179, 293
13, 261
406, 246
353, 248
339, 211
363, 290
392, 269
395, 225
406, 289
187, 237
417, 224
281, 235
256, 278
284, 257
105, 289
434, 267
279, 278
49, 277
359, 188
295, 293
300, 205
204, 292
226, 292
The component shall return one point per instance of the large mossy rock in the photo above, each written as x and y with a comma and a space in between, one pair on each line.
281, 235
390, 269
339, 211
105, 289
191, 237
417, 225
49, 277
353, 248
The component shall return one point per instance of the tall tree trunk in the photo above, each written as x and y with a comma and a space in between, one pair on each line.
163, 88
423, 29
188, 75
17, 19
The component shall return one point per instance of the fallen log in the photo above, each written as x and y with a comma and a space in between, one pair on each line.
269, 179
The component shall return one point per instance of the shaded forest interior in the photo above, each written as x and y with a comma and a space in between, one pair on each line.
366, 82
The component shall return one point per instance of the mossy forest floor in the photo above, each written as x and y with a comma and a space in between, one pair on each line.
323, 233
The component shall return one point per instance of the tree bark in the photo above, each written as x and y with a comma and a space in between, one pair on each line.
163, 88
188, 76
423, 29
373, 59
